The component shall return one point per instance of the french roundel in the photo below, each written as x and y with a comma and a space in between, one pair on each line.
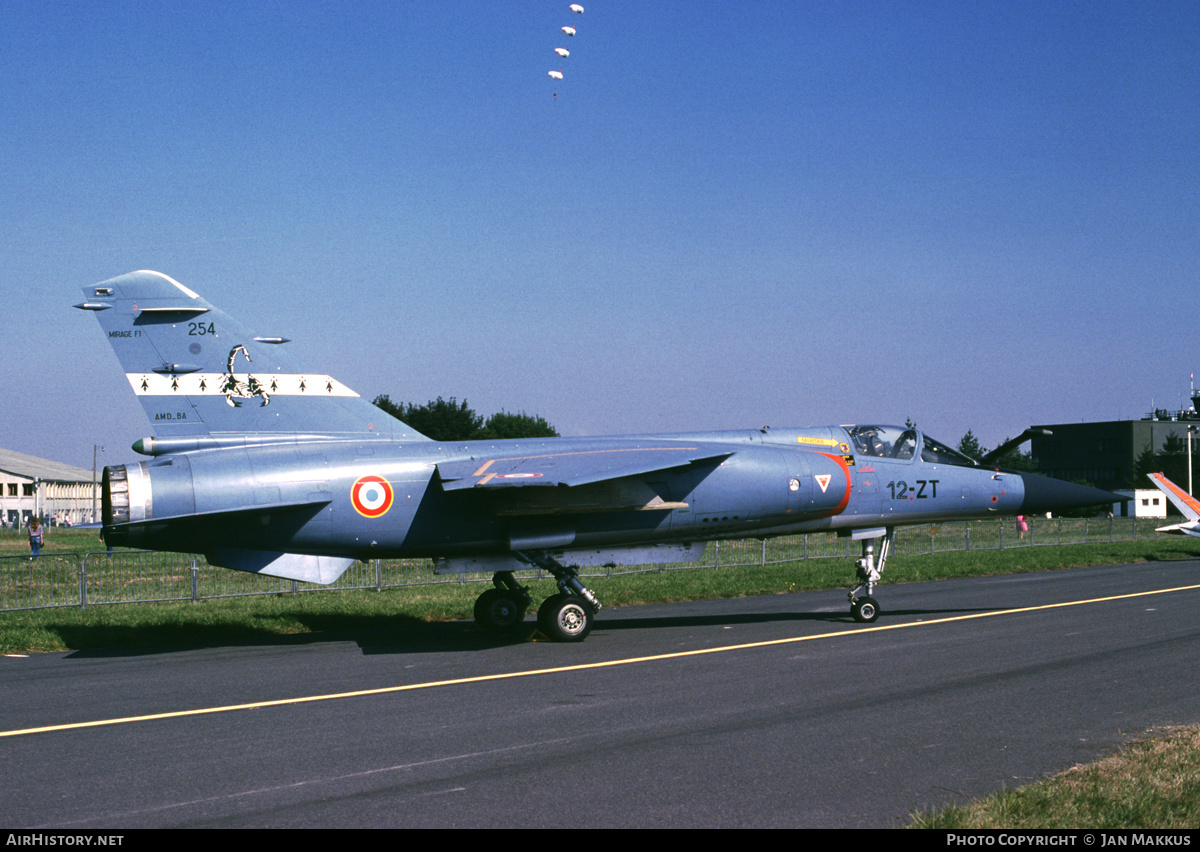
371, 496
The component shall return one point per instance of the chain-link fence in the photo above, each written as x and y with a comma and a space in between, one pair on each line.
128, 576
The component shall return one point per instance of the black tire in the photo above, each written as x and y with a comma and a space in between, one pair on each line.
865, 610
565, 618
497, 611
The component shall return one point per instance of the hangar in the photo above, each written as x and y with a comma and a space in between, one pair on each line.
59, 493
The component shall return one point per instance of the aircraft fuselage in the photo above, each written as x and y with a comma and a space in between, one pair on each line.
312, 496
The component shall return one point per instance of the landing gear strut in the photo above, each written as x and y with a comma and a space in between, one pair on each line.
502, 609
567, 616
865, 609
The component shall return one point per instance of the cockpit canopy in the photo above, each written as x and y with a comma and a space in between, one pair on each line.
900, 442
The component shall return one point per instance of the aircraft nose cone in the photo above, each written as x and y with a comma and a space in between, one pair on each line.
1043, 494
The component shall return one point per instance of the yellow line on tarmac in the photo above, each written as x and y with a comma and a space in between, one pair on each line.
177, 714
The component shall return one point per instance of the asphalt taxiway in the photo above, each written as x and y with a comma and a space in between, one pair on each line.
767, 711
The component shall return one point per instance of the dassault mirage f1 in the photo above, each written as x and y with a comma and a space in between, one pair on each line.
266, 466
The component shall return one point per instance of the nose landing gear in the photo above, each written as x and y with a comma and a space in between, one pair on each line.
865, 609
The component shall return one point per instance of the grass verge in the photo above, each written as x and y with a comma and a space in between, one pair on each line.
1151, 783
257, 618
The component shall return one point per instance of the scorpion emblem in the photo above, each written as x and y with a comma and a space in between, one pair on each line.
235, 391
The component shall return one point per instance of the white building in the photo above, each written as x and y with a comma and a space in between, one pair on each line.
57, 492
1143, 503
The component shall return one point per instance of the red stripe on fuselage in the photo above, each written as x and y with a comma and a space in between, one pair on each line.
841, 507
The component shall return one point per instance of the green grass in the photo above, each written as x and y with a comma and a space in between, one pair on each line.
221, 621
56, 540
261, 617
1152, 783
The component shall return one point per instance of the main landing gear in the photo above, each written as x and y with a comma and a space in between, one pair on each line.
865, 609
502, 609
564, 617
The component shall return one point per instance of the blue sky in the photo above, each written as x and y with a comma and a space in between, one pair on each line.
734, 214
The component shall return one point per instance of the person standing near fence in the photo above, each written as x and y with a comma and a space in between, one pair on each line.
1022, 526
36, 538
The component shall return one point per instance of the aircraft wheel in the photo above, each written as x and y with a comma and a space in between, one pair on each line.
865, 610
497, 611
565, 618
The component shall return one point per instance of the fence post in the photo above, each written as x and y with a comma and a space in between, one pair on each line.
806, 546
195, 580
968, 535
379, 575
1001, 533
82, 581
1058, 540
764, 552
716, 554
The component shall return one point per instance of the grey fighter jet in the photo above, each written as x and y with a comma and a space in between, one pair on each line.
266, 466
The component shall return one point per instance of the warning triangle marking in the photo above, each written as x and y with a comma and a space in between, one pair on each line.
823, 481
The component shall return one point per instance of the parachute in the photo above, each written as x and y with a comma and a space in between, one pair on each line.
562, 52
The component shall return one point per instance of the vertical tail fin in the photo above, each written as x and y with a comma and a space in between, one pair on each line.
197, 372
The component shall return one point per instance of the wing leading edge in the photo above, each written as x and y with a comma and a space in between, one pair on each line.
569, 468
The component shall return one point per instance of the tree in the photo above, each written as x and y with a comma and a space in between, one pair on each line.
1146, 464
439, 419
1014, 459
505, 424
1173, 446
969, 446
1172, 460
384, 402
450, 420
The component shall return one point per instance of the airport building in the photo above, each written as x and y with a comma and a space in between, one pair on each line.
58, 493
1105, 454
1143, 503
